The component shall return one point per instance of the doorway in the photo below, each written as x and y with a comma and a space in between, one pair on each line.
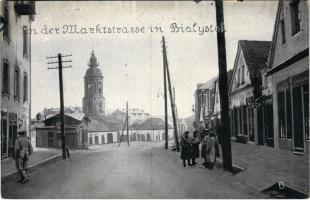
12, 133
50, 139
268, 125
4, 138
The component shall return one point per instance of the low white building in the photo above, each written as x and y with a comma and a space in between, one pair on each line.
103, 132
153, 129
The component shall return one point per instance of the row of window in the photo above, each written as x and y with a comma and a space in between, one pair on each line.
17, 83
293, 110
295, 20
242, 121
6, 29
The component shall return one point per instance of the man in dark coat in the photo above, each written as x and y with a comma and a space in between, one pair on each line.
195, 147
186, 149
23, 150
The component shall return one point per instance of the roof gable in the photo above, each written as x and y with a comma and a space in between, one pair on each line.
75, 116
274, 36
255, 55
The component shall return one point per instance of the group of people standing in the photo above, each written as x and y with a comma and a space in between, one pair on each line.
209, 148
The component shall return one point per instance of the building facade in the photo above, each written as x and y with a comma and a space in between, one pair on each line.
245, 88
93, 101
289, 73
49, 136
15, 66
137, 116
153, 129
204, 101
102, 131
216, 114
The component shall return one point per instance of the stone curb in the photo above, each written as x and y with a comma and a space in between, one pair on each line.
40, 163
233, 165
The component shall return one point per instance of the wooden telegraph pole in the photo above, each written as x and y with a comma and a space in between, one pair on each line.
62, 114
173, 108
126, 125
165, 93
223, 86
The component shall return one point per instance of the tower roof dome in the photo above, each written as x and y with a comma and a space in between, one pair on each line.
93, 64
93, 72
93, 60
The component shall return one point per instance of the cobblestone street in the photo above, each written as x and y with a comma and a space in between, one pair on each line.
142, 170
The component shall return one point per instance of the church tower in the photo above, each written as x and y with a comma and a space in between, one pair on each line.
93, 101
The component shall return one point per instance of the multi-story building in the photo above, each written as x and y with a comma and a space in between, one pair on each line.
204, 100
216, 115
137, 116
15, 66
289, 71
93, 101
245, 88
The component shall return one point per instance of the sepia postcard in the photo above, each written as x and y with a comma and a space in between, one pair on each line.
193, 99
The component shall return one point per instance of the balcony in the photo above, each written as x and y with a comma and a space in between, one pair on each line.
25, 7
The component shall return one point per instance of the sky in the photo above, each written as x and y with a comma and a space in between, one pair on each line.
132, 63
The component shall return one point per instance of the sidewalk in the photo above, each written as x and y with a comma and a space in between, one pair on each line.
265, 166
39, 156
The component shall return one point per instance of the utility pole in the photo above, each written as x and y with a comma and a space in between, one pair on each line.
127, 122
62, 114
165, 94
176, 112
176, 136
223, 86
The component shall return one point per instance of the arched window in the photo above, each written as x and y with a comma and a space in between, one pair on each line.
100, 87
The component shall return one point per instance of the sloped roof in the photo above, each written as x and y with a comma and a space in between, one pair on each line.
37, 125
207, 85
118, 115
256, 56
152, 124
103, 125
76, 116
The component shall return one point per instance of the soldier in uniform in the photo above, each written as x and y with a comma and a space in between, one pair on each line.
23, 150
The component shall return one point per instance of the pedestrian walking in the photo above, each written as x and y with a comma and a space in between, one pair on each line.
204, 138
212, 150
186, 148
195, 147
23, 150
